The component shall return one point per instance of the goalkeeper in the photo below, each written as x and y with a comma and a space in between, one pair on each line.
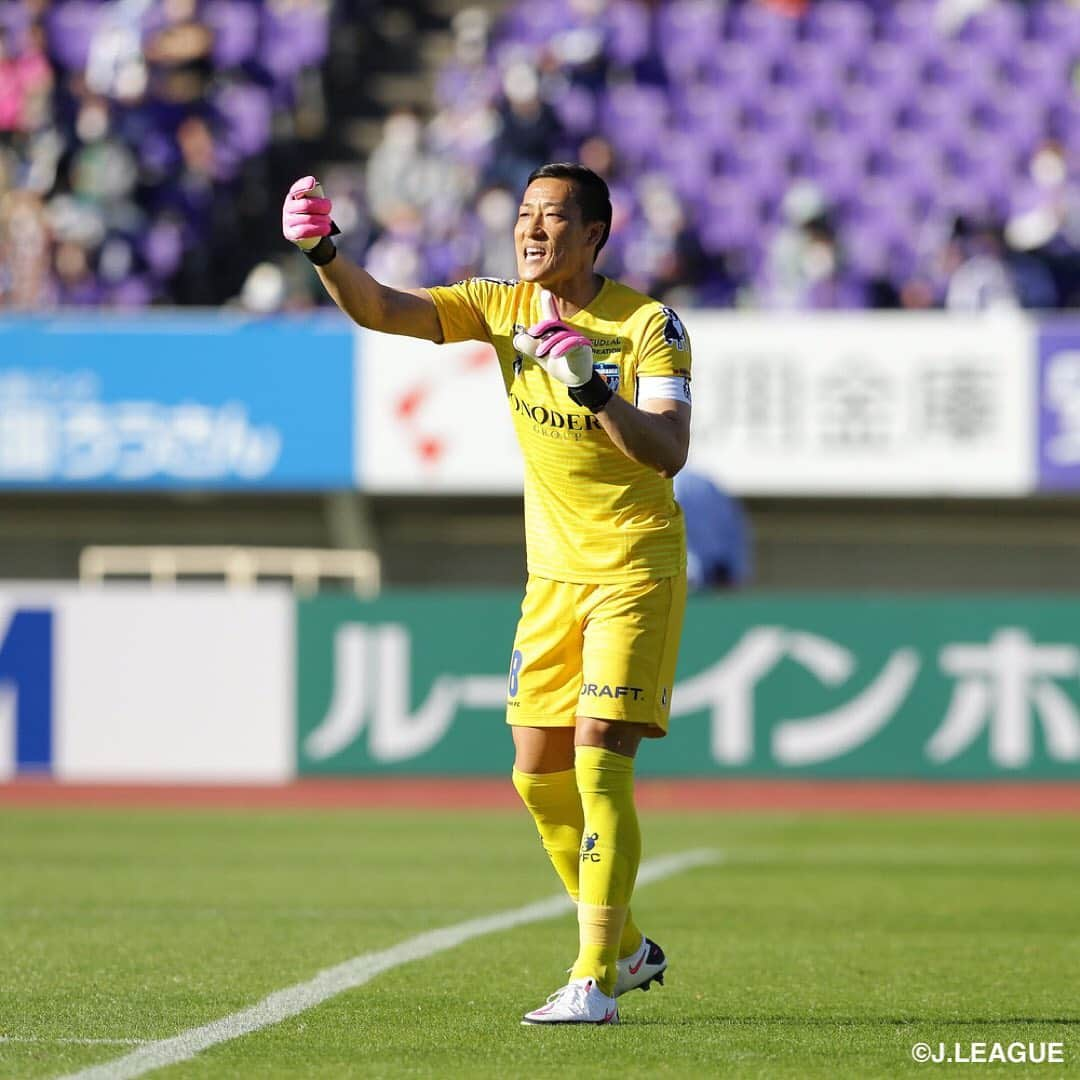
597, 377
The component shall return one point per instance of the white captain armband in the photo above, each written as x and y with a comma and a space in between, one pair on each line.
663, 388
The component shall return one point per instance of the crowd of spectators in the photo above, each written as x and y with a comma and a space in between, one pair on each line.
134, 142
830, 154
760, 153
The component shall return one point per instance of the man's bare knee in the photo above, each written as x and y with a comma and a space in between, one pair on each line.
618, 736
543, 749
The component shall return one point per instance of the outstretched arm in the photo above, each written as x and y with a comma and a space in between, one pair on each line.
305, 220
378, 307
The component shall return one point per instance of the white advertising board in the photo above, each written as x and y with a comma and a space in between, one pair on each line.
784, 404
866, 405
150, 685
433, 418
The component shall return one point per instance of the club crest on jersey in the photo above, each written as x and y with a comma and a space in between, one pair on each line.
674, 331
609, 373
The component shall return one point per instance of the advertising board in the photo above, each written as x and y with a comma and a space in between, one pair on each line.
176, 401
132, 683
849, 404
875, 687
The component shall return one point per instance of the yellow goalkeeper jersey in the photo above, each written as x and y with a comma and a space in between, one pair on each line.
591, 513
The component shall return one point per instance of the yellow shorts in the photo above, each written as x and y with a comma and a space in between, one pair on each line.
606, 651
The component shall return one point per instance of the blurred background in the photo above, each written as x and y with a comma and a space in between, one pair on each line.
866, 213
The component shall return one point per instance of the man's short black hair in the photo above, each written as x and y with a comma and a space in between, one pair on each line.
590, 192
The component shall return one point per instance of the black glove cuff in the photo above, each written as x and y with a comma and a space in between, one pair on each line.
323, 252
593, 395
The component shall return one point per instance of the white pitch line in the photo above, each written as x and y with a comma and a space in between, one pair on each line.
332, 981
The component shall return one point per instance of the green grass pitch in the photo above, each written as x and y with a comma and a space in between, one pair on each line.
822, 946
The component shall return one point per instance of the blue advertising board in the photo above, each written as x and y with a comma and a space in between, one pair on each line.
26, 657
1059, 405
176, 402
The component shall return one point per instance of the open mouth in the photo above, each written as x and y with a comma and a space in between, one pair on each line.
533, 255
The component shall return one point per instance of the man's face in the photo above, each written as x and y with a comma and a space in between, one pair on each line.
552, 241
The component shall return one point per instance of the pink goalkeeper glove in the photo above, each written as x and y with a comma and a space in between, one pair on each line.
563, 352
305, 220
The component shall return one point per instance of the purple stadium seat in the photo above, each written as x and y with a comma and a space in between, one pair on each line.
236, 30
889, 69
909, 23
919, 181
707, 111
133, 292
996, 162
688, 33
730, 217
866, 116
784, 115
739, 69
906, 160
634, 118
691, 18
535, 24
685, 160
246, 111
630, 31
1063, 122
840, 25
1054, 21
14, 18
575, 107
293, 38
959, 195
71, 25
995, 27
835, 162
880, 204
163, 248
1037, 69
960, 68
978, 175
819, 72
934, 117
759, 163
867, 249
904, 260
1027, 195
761, 26
463, 86
1014, 121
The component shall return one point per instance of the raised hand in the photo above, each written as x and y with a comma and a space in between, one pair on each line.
305, 216
563, 352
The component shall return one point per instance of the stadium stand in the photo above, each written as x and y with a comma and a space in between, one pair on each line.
832, 154
790, 155
143, 142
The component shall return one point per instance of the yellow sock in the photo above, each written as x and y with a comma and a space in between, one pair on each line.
630, 941
610, 853
555, 805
